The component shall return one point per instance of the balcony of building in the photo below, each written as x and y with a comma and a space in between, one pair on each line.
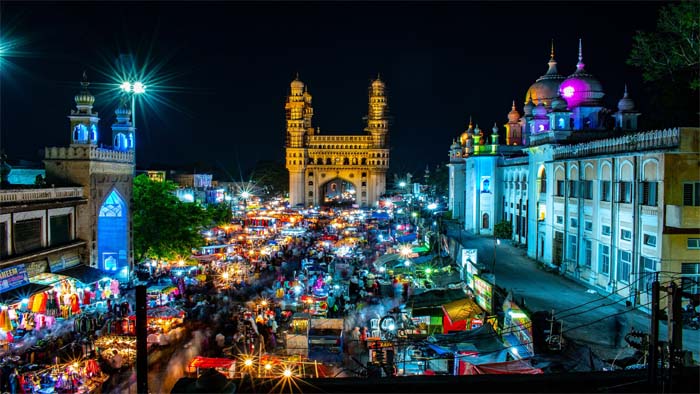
25, 196
683, 216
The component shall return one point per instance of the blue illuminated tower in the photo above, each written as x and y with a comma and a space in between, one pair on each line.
106, 174
123, 136
83, 121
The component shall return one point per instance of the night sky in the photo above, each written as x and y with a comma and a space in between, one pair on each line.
225, 68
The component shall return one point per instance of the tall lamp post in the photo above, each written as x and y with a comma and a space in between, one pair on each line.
133, 90
496, 242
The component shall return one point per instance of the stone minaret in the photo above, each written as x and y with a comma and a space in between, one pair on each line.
299, 114
377, 118
83, 121
123, 136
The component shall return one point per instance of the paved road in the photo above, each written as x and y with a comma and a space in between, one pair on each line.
544, 290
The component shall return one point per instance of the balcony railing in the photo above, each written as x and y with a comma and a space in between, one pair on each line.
657, 139
88, 152
20, 195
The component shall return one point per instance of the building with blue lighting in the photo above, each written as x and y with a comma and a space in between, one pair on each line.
106, 177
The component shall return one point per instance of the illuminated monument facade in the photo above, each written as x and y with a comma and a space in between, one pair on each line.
106, 177
584, 190
327, 168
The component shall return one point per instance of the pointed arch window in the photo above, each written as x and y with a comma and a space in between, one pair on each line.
93, 133
113, 206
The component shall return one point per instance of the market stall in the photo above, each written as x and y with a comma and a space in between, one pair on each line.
125, 346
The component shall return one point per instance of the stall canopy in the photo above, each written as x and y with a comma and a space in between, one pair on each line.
210, 362
407, 237
504, 368
18, 294
434, 298
458, 312
83, 273
380, 215
386, 258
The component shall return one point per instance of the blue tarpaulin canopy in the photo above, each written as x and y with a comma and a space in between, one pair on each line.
407, 237
380, 215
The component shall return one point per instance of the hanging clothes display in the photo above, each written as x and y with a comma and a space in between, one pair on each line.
5, 323
114, 287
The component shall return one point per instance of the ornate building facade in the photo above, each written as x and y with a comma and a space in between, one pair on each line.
315, 160
583, 188
106, 177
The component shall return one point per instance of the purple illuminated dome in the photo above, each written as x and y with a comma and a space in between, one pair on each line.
582, 88
546, 88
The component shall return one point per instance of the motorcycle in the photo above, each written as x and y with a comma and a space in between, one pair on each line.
691, 320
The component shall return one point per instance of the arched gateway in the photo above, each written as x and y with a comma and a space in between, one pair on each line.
316, 162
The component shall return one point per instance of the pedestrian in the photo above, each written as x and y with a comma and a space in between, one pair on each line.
619, 325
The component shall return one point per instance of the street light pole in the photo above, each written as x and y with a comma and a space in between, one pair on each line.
496, 242
132, 89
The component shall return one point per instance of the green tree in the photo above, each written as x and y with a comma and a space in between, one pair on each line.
219, 214
271, 174
439, 179
165, 227
503, 230
673, 50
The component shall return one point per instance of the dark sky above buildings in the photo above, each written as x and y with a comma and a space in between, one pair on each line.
222, 69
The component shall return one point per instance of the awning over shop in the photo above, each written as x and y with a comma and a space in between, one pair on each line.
210, 362
18, 294
205, 258
407, 237
87, 275
502, 368
421, 249
386, 258
380, 215
461, 310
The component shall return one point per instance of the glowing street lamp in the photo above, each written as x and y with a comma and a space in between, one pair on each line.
133, 89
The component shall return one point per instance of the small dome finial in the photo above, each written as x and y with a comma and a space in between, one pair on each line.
580, 65
551, 54
513, 106
379, 76
626, 95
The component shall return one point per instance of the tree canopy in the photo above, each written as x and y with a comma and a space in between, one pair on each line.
271, 174
165, 227
673, 50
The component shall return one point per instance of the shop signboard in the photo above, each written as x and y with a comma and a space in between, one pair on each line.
469, 266
519, 326
13, 277
35, 268
62, 262
483, 292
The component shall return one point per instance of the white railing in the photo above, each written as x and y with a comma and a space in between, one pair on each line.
19, 195
667, 138
88, 152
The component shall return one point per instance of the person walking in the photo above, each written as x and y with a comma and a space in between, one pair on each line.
619, 327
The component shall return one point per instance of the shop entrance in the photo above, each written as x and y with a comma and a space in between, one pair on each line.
558, 248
